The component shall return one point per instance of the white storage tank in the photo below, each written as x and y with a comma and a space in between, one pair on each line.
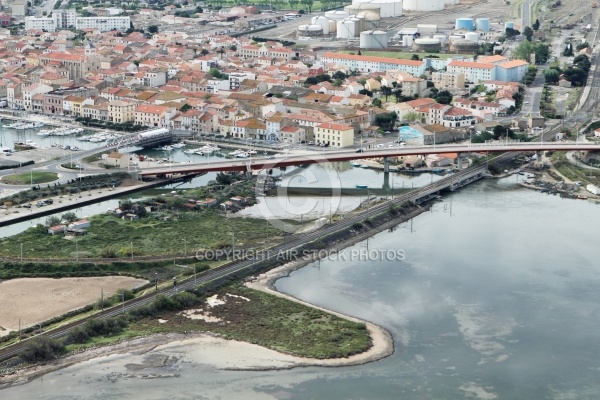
407, 40
456, 37
373, 40
336, 15
426, 44
423, 5
332, 26
464, 45
322, 22
387, 8
482, 24
472, 36
441, 38
346, 29
310, 30
361, 24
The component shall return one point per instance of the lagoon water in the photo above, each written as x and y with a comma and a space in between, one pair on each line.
496, 298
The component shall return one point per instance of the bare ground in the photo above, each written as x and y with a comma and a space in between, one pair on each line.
33, 300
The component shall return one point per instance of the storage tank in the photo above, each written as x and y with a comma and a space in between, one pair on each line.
332, 26
423, 5
426, 44
407, 40
482, 24
427, 28
464, 45
361, 24
336, 15
450, 2
355, 9
456, 37
310, 30
387, 8
472, 36
373, 40
441, 38
465, 23
509, 24
322, 22
346, 29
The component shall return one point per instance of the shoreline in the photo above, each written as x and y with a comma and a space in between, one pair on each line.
382, 343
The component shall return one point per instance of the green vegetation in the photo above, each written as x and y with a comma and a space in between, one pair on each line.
27, 178
573, 173
109, 236
273, 322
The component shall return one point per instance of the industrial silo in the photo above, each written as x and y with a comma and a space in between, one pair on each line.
346, 29
374, 40
472, 36
332, 26
361, 24
407, 40
427, 45
336, 15
464, 45
441, 38
322, 22
387, 8
465, 23
482, 24
423, 5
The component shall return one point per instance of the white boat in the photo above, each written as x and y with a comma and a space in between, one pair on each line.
14, 125
165, 148
178, 145
252, 152
243, 154
38, 124
44, 132
190, 151
236, 152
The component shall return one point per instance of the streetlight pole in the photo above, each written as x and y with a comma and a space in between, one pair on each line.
123, 303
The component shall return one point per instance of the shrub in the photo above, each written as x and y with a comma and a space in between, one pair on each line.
42, 348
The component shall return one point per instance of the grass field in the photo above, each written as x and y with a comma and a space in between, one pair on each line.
149, 236
28, 178
572, 172
395, 54
269, 321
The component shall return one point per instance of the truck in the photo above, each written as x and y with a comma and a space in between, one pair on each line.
593, 189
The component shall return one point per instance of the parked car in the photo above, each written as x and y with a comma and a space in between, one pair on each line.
359, 150
27, 205
48, 201
41, 204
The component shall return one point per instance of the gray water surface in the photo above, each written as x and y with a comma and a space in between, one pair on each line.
496, 298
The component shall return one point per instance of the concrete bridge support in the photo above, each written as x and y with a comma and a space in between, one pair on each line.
538, 157
386, 164
459, 161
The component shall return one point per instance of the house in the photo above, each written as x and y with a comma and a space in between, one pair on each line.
335, 135
597, 133
116, 159
209, 202
81, 224
53, 230
130, 217
413, 162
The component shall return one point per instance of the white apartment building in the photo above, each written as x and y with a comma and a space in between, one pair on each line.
374, 64
104, 24
42, 23
473, 71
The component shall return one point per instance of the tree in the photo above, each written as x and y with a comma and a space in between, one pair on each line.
204, 52
52, 221
568, 52
528, 33
551, 75
293, 3
224, 179
398, 94
376, 103
442, 97
69, 217
524, 50
536, 24
386, 91
415, 57
386, 120
511, 33
153, 29
411, 117
185, 107
233, 47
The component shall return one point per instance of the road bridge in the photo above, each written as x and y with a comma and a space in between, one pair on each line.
260, 163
